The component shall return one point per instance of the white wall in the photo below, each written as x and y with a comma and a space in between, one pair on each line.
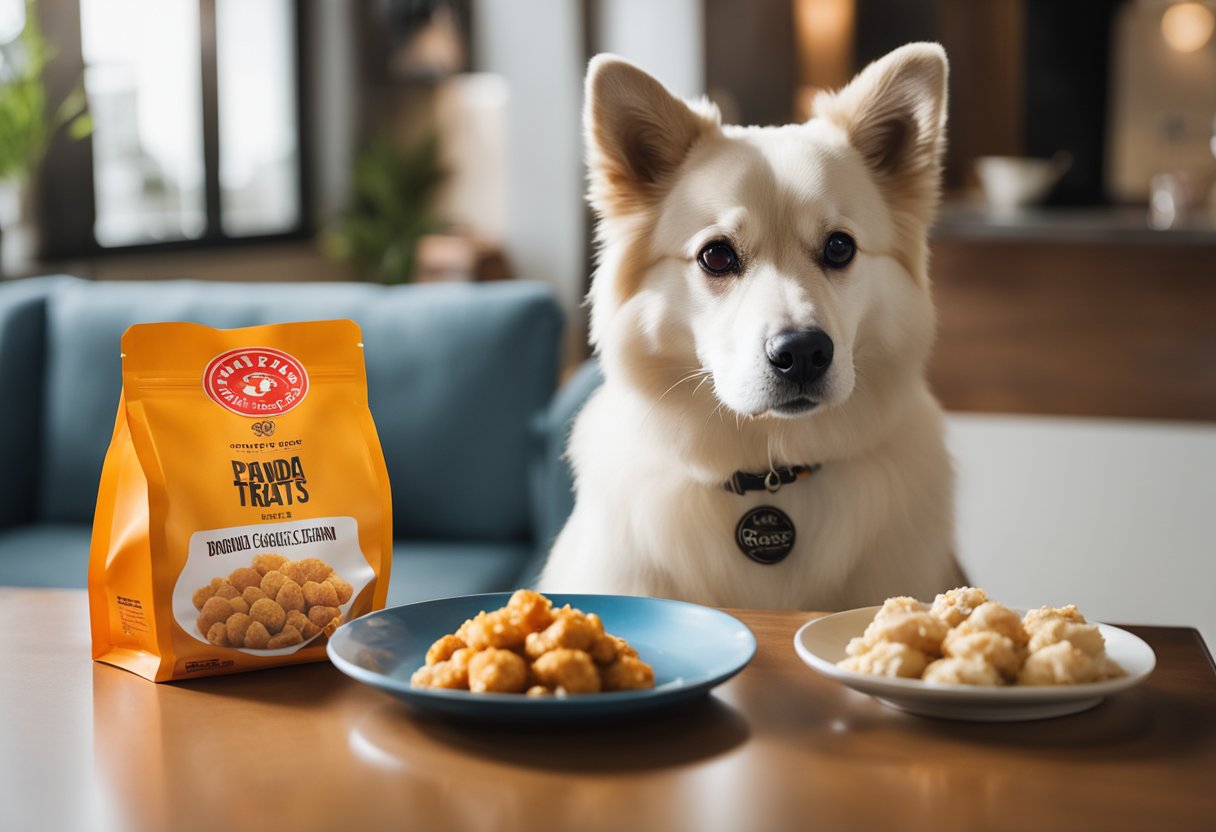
1116, 516
536, 46
664, 37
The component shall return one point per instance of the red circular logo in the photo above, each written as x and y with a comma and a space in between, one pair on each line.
256, 381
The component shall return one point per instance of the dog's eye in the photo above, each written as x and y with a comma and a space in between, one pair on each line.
718, 259
839, 250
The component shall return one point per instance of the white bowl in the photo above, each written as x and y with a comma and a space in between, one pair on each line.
1016, 181
821, 643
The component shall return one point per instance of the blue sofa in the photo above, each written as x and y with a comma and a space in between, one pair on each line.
461, 383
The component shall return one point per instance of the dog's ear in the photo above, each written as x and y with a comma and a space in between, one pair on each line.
637, 132
894, 114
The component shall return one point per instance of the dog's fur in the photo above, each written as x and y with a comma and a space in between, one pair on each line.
689, 391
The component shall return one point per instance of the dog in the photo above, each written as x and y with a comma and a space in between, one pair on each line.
764, 436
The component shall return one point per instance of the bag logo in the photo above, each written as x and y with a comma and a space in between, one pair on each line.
256, 381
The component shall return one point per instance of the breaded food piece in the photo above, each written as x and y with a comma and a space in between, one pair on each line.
920, 630
492, 629
252, 595
344, 589
1061, 663
268, 562
1036, 618
531, 611
497, 671
955, 606
226, 590
201, 595
995, 617
570, 630
300, 621
443, 648
244, 577
269, 614
452, 674
238, 604
272, 582
257, 636
567, 669
289, 636
290, 597
215, 610
308, 569
218, 634
323, 616
898, 604
888, 658
626, 673
238, 625
970, 671
1085, 637
986, 645
323, 594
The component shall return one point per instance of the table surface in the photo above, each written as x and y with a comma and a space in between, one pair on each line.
86, 746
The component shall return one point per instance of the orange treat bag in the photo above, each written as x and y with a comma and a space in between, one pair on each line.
244, 509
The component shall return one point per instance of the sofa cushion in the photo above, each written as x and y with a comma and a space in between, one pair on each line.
455, 373
440, 569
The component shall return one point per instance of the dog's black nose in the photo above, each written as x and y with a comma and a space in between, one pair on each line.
801, 356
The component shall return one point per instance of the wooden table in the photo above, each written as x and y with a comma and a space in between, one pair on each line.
84, 746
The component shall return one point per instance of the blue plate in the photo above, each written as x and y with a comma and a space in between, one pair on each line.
691, 648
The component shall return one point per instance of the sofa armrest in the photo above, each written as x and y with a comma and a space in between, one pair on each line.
551, 479
22, 360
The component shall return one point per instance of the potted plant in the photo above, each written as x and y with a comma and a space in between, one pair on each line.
27, 124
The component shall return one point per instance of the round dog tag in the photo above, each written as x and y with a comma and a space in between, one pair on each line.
765, 534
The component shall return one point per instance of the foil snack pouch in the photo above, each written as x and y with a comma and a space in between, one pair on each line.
244, 509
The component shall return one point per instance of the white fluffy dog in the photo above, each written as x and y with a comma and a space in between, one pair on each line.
764, 436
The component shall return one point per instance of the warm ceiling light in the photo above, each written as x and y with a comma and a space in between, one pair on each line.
1186, 27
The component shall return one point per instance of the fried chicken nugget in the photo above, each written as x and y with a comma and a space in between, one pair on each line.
269, 614
955, 606
323, 594
566, 669
497, 671
201, 595
1061, 663
571, 630
452, 674
226, 590
888, 658
252, 595
322, 616
291, 597
969, 671
244, 577
257, 636
899, 604
238, 625
987, 645
344, 589
300, 621
218, 634
626, 673
268, 562
995, 617
272, 582
492, 629
289, 636
1085, 637
920, 630
443, 648
530, 610
216, 610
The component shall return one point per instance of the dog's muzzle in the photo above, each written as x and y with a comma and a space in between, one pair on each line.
801, 356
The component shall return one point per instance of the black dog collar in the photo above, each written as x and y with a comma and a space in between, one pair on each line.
771, 481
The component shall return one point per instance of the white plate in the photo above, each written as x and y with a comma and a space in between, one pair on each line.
821, 643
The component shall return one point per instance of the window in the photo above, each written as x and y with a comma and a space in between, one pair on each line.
197, 133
